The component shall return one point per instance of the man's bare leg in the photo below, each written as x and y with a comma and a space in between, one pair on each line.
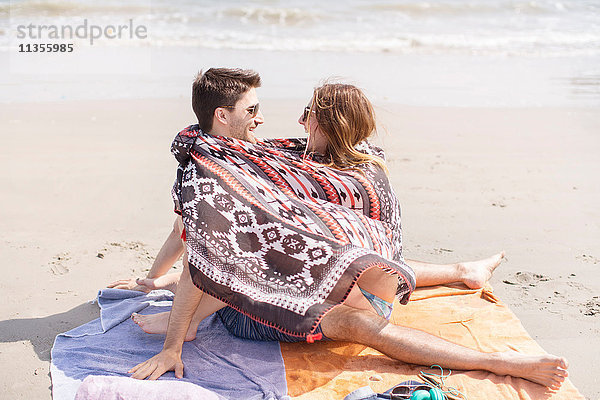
189, 302
416, 347
474, 274
355, 321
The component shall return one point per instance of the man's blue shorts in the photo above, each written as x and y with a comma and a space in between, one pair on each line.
241, 325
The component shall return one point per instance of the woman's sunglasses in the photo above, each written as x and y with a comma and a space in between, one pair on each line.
305, 113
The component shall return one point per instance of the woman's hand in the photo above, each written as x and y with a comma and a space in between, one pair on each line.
129, 284
167, 282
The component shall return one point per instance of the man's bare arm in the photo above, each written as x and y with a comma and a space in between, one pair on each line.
190, 303
185, 304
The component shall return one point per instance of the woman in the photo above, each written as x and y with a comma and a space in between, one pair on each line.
339, 120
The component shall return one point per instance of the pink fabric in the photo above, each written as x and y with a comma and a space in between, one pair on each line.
97, 387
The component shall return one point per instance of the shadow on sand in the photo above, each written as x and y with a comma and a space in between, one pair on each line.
42, 331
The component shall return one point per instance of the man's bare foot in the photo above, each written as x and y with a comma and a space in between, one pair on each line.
158, 323
475, 274
547, 370
167, 282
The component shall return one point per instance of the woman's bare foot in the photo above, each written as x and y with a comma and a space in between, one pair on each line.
475, 274
547, 370
167, 282
158, 323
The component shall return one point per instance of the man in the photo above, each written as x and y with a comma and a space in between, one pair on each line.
226, 105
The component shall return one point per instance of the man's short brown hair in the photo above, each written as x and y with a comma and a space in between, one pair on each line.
219, 87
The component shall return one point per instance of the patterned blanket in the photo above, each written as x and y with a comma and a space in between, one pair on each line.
278, 236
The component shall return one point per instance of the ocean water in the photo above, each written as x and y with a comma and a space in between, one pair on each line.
491, 27
442, 49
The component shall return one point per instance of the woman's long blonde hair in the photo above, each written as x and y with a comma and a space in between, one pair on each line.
346, 117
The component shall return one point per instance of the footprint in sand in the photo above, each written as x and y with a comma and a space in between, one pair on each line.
138, 248
591, 307
57, 265
526, 279
588, 258
442, 251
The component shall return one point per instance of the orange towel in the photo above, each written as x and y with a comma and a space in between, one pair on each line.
472, 318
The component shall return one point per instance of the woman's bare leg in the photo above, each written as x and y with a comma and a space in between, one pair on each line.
474, 274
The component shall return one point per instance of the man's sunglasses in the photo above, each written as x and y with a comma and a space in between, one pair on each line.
405, 390
252, 110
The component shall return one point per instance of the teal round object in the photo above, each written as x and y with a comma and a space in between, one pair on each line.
420, 395
436, 394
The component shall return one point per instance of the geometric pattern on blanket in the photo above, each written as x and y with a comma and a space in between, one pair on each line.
280, 238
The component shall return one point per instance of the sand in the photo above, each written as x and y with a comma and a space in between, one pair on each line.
86, 200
